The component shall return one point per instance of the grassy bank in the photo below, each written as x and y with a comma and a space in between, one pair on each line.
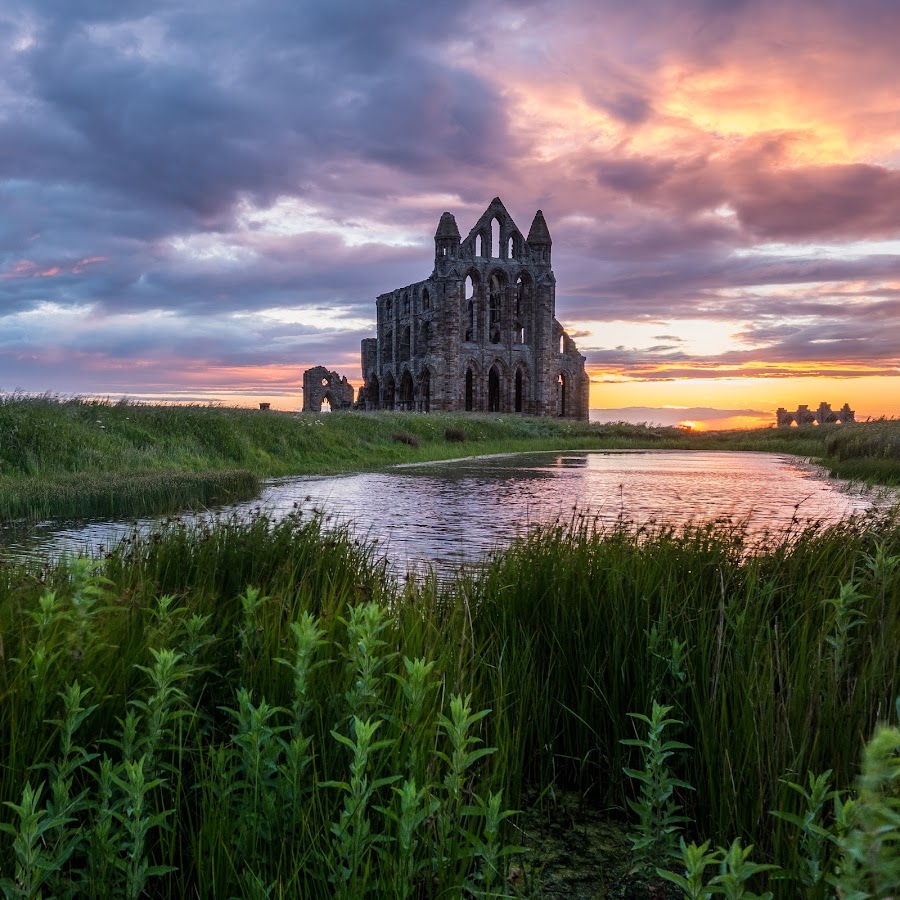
94, 458
259, 710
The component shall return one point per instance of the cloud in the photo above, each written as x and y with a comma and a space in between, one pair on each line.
230, 186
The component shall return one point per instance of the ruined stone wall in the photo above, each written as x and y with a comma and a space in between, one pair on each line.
320, 385
480, 333
824, 415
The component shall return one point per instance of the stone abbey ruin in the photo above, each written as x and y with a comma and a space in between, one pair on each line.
320, 385
824, 415
480, 333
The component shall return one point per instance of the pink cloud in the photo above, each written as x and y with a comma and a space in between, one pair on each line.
84, 264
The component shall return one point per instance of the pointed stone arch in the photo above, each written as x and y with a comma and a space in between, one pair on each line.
497, 384
471, 383
471, 305
494, 389
407, 392
521, 389
496, 294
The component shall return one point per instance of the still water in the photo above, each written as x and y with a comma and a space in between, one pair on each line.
445, 513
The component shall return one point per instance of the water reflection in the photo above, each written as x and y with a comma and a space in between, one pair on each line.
449, 512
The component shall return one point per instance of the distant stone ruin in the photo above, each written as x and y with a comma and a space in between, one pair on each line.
824, 415
320, 385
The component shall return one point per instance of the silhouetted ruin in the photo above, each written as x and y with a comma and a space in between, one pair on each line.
480, 333
320, 385
824, 415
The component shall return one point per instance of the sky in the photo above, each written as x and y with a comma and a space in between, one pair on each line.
200, 200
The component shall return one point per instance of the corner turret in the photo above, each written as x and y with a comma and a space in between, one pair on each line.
446, 238
539, 240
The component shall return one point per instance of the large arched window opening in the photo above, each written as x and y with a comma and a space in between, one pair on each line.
470, 390
510, 249
478, 245
522, 307
561, 388
494, 390
520, 392
407, 391
405, 344
495, 238
469, 309
494, 310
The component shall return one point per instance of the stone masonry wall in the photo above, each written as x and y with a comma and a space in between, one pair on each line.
480, 333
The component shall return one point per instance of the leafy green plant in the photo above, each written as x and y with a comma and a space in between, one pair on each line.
139, 825
659, 823
870, 844
354, 840
736, 871
814, 840
696, 860
36, 863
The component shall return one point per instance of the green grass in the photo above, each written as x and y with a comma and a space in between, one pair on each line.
301, 715
92, 458
95, 458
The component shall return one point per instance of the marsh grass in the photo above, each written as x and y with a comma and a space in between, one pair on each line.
94, 494
79, 457
168, 728
257, 708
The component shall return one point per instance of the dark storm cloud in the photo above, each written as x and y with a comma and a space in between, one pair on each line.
138, 123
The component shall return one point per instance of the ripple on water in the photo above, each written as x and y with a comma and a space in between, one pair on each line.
450, 512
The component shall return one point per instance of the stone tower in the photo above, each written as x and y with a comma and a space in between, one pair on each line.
480, 333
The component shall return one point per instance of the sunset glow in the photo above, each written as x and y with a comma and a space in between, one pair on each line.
203, 201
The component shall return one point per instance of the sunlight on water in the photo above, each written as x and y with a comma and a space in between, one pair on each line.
449, 512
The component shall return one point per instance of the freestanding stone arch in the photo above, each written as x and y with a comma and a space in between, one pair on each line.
320, 385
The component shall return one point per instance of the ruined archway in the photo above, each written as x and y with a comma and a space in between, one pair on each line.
494, 389
319, 385
407, 391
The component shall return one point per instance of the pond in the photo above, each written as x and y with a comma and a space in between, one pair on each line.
446, 513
